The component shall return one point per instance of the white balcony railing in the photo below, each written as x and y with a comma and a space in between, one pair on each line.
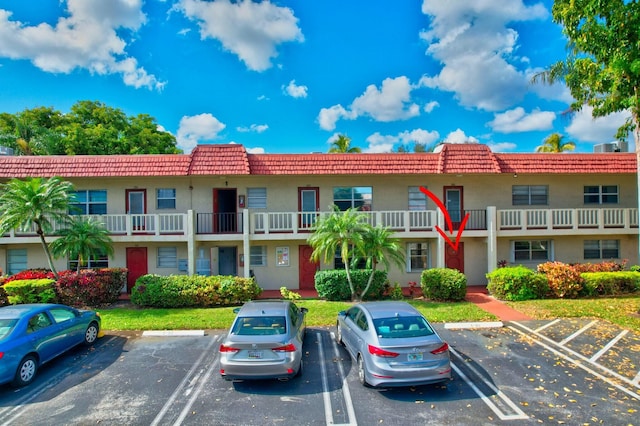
598, 218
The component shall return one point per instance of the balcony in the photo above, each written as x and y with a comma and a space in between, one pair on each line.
572, 219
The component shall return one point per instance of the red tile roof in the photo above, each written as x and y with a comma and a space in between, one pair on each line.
233, 159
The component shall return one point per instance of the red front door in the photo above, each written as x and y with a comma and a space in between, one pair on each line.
454, 259
307, 268
136, 265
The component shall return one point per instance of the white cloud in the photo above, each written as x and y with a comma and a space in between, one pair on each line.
585, 128
255, 150
502, 146
517, 120
295, 91
557, 91
255, 128
458, 136
85, 38
391, 102
197, 128
250, 30
420, 136
477, 49
384, 143
431, 106
380, 143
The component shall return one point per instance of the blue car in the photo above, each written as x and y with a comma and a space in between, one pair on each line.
32, 334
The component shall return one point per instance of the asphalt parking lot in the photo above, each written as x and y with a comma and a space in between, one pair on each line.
527, 372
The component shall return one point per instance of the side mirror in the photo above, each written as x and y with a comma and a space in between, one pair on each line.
304, 310
342, 313
236, 310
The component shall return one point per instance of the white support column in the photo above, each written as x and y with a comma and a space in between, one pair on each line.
191, 242
492, 239
441, 243
246, 248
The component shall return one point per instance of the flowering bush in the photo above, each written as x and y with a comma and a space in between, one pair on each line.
611, 266
30, 274
91, 287
564, 280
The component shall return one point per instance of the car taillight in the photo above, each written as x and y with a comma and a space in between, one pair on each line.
1, 354
374, 350
442, 349
225, 348
286, 348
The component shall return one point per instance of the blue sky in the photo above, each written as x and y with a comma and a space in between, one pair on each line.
288, 76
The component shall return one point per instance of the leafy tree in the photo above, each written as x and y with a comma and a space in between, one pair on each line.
84, 239
380, 247
554, 143
35, 203
602, 68
342, 144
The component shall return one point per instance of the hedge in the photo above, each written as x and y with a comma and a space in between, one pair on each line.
41, 290
332, 284
443, 284
517, 283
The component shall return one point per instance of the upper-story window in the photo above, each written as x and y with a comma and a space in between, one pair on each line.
92, 201
358, 197
601, 194
166, 198
417, 199
257, 198
528, 195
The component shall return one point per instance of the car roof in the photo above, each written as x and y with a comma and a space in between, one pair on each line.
264, 307
387, 309
19, 311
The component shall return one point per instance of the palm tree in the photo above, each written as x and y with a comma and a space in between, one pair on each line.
379, 246
84, 239
553, 143
341, 145
339, 231
35, 203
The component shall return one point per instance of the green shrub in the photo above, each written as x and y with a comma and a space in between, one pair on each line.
517, 283
635, 268
564, 280
332, 284
289, 295
395, 293
443, 284
3, 294
91, 287
610, 283
175, 291
31, 291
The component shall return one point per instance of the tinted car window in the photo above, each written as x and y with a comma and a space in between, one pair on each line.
6, 325
361, 322
353, 313
38, 322
260, 326
62, 314
398, 327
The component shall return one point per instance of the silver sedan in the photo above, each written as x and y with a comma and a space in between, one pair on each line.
264, 342
393, 344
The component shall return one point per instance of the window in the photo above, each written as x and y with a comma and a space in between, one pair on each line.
101, 260
417, 199
89, 202
418, 255
601, 194
258, 256
62, 314
534, 250
601, 249
353, 197
528, 195
257, 198
16, 260
166, 198
339, 264
167, 257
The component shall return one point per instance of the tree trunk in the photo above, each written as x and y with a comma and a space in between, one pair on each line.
45, 246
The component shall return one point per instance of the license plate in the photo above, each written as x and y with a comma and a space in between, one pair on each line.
415, 357
255, 354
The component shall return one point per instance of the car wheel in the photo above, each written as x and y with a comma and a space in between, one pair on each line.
361, 372
339, 334
26, 372
299, 373
91, 334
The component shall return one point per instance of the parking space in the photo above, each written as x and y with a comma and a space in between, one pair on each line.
558, 372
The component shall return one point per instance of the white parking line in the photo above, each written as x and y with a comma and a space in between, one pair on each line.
520, 415
636, 380
579, 332
608, 346
345, 386
549, 324
328, 412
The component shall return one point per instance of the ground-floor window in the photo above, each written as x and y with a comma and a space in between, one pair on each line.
601, 249
99, 261
531, 250
258, 256
16, 260
167, 257
418, 255
339, 264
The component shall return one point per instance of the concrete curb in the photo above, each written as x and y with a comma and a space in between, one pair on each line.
172, 333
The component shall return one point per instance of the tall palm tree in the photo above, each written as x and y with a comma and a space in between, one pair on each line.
342, 144
380, 247
35, 203
84, 239
554, 143
341, 231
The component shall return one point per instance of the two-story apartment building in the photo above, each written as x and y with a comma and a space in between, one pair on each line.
221, 210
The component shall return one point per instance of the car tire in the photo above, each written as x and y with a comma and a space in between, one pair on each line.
362, 378
339, 334
91, 334
26, 371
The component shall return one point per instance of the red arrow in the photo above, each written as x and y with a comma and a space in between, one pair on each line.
447, 218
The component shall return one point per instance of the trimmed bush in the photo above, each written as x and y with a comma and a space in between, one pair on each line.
443, 284
176, 291
332, 284
3, 294
610, 266
564, 280
31, 291
610, 283
31, 274
91, 287
517, 283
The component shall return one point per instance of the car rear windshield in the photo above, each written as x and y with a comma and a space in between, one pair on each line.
399, 327
6, 325
259, 326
